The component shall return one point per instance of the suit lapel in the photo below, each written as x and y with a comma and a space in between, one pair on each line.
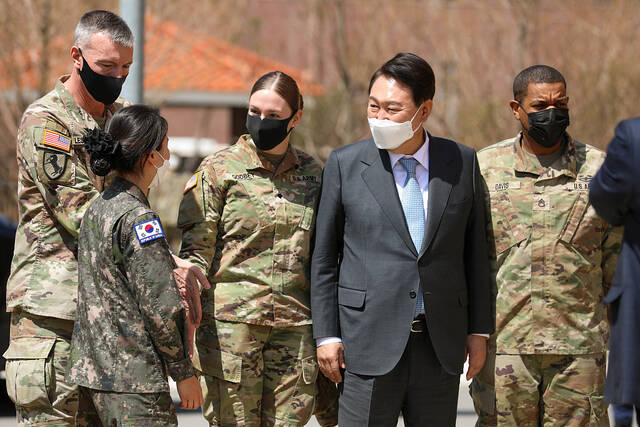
378, 178
439, 189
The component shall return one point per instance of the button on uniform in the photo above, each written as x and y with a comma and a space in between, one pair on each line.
412, 293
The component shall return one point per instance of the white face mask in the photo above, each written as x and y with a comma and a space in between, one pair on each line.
160, 172
389, 135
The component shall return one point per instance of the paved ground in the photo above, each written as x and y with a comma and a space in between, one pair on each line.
466, 415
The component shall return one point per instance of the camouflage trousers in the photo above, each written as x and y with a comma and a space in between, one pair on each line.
37, 362
482, 389
550, 390
326, 410
113, 409
254, 375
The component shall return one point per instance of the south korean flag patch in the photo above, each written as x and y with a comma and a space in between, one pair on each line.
148, 231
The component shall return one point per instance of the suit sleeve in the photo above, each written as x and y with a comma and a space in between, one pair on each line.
149, 268
327, 253
477, 261
612, 187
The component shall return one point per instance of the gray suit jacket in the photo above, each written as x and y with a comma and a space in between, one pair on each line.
365, 270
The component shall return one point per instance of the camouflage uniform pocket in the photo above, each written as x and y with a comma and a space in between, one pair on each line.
28, 370
309, 369
55, 167
598, 408
306, 221
220, 364
583, 231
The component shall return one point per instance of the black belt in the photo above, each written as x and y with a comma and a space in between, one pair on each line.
419, 324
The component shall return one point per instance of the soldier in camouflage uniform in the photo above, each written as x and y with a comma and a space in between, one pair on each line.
553, 260
130, 323
55, 187
247, 216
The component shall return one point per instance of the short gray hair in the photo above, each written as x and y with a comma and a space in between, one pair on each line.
98, 21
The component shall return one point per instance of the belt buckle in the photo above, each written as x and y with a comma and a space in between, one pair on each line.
418, 325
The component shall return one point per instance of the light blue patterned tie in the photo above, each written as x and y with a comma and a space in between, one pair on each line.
413, 207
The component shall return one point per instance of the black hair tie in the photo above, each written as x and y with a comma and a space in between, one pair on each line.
102, 150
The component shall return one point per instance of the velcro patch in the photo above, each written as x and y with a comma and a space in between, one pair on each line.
56, 140
193, 181
148, 231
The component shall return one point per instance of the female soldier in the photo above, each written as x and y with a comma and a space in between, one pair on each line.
246, 219
130, 318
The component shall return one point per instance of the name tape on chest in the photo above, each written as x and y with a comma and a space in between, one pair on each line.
56, 140
193, 181
292, 178
581, 183
503, 186
148, 231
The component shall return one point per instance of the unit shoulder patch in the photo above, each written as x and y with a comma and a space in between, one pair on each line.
148, 230
193, 181
54, 164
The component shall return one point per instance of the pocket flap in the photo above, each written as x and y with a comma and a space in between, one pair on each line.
614, 294
29, 348
219, 364
351, 297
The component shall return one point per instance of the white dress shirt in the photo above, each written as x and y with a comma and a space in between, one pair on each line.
400, 176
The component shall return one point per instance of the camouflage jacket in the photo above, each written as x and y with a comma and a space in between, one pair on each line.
130, 318
55, 186
553, 259
249, 229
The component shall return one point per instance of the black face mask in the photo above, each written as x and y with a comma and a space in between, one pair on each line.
105, 89
547, 126
267, 133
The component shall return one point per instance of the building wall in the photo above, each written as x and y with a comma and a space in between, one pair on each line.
200, 122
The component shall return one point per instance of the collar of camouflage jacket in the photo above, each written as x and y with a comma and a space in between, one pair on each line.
529, 164
258, 161
121, 185
78, 114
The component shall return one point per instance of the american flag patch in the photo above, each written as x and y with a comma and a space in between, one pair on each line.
193, 181
54, 139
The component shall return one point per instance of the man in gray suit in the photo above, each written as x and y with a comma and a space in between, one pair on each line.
400, 276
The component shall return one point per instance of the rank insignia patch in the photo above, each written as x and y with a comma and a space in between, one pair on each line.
148, 231
193, 181
54, 164
56, 140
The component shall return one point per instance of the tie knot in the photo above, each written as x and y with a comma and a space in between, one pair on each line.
409, 163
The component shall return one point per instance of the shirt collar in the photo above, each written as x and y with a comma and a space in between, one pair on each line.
529, 164
257, 161
121, 185
422, 155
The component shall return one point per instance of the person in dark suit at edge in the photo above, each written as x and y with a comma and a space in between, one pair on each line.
615, 195
400, 290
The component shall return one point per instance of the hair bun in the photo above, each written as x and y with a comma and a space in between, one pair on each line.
101, 148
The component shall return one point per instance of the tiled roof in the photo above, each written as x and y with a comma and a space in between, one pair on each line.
177, 60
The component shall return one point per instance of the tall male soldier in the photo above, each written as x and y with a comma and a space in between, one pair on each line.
400, 274
55, 186
553, 260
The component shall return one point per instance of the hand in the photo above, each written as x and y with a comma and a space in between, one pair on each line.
187, 277
331, 359
190, 393
476, 349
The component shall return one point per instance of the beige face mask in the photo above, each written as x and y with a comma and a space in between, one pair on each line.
161, 171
